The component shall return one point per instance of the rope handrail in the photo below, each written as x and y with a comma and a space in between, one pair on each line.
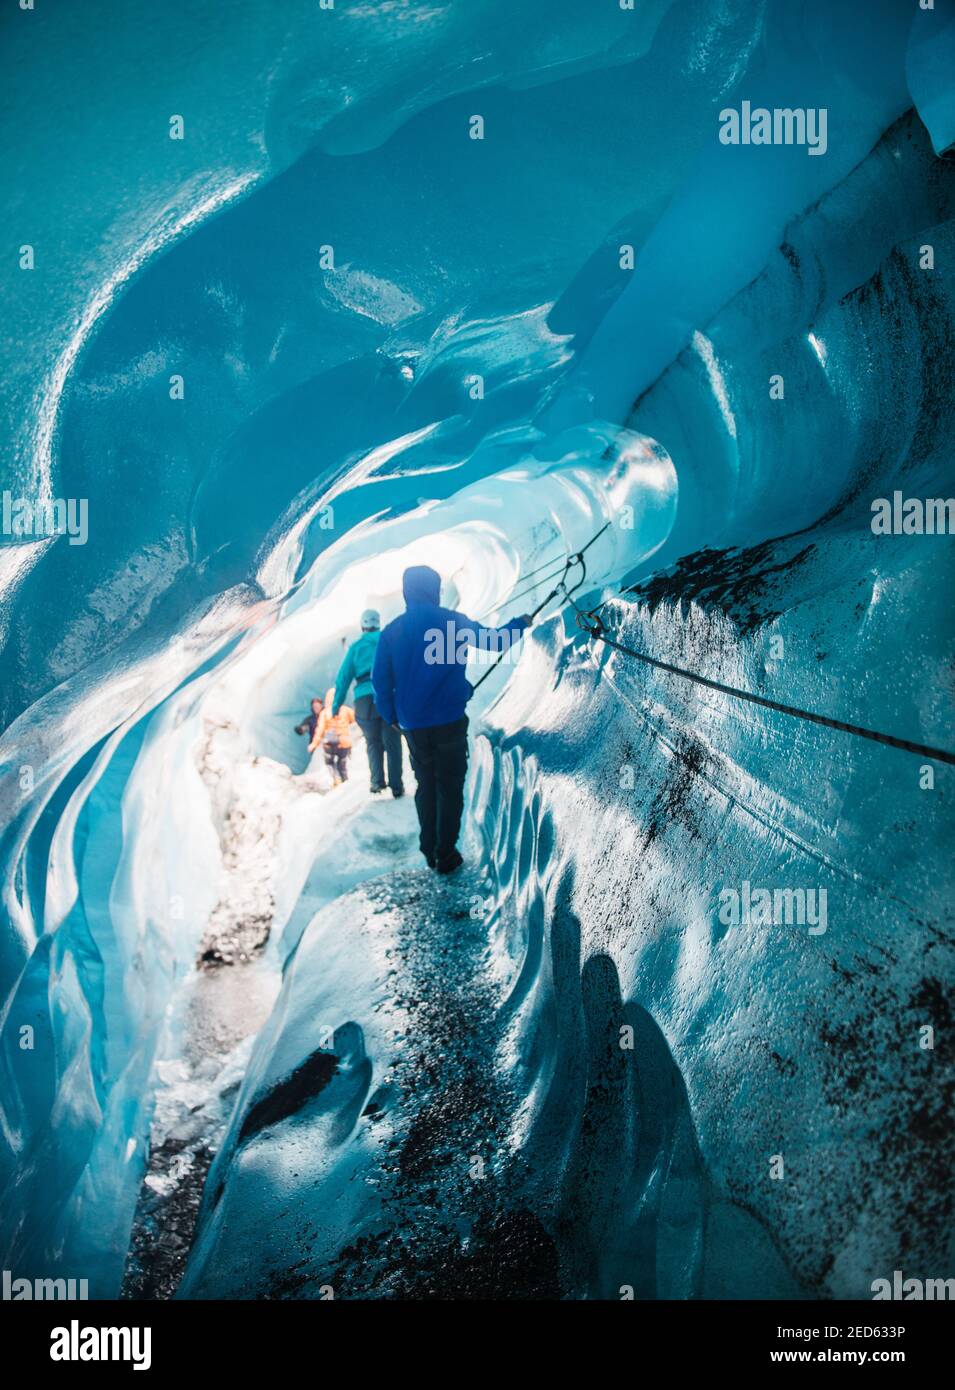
591, 623
596, 630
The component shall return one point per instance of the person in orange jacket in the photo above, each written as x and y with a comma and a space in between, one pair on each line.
333, 732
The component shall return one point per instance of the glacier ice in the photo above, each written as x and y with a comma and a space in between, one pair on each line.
406, 1088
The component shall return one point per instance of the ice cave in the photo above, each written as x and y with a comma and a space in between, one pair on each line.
300, 295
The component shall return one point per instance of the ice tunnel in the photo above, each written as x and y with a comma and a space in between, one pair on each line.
298, 296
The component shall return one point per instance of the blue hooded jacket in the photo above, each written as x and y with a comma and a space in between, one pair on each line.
419, 672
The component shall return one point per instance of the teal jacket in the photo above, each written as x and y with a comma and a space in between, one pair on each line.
356, 666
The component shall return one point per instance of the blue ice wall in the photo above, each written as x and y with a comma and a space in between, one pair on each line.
640, 396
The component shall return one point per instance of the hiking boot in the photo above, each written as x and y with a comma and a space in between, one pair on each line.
449, 863
397, 791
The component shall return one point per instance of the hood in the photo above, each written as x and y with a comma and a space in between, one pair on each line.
421, 584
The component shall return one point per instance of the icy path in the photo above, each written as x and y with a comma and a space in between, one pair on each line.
272, 825
454, 1221
421, 1192
217, 1018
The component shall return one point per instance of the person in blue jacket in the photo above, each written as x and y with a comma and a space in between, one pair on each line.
420, 686
381, 740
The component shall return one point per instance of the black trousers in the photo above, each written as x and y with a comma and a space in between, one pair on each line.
336, 758
439, 756
382, 741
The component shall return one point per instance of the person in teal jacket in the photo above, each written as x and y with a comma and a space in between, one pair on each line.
382, 740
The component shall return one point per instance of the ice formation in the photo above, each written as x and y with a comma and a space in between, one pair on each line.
329, 334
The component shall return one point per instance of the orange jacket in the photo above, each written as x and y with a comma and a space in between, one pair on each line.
335, 728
